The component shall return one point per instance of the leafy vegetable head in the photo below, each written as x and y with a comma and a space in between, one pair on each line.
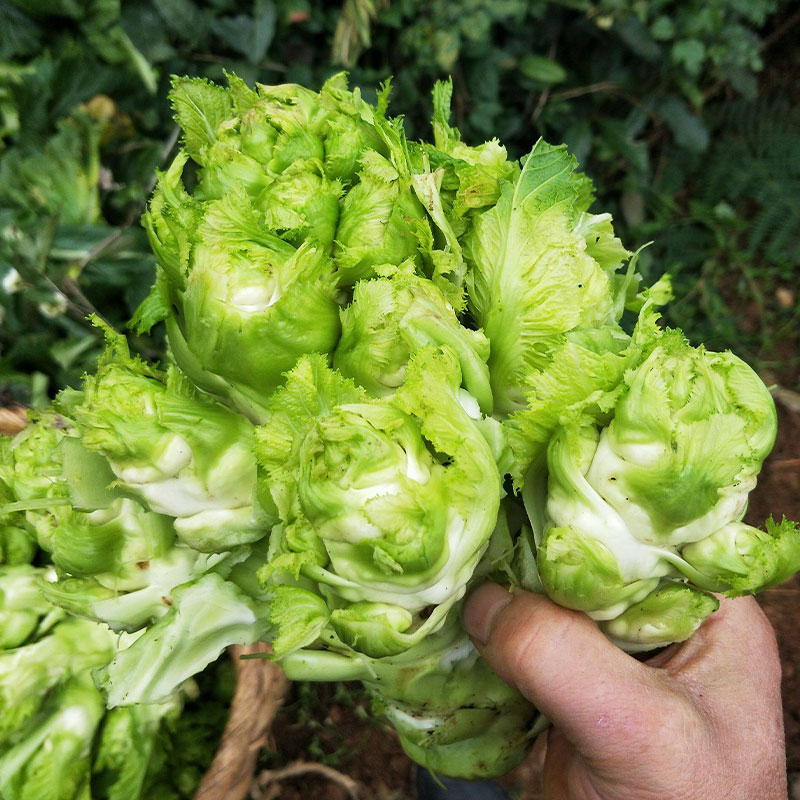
241, 301
658, 492
744, 559
670, 613
379, 220
686, 443
184, 455
384, 502
392, 318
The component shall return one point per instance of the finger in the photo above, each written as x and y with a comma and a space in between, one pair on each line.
592, 691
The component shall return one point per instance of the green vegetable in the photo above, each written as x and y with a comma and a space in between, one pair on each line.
146, 595
388, 505
241, 303
658, 493
56, 738
205, 617
125, 752
17, 540
391, 318
54, 757
181, 454
534, 277
22, 605
451, 712
673, 612
375, 343
379, 216
686, 443
29, 672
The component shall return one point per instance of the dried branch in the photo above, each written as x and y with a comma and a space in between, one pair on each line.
268, 777
12, 420
780, 31
592, 88
260, 689
786, 397
783, 463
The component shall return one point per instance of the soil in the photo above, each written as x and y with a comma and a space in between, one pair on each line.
332, 725
778, 493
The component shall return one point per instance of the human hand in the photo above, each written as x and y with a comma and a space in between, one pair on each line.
701, 720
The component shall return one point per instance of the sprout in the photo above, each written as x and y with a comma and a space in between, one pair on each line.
17, 539
17, 545
686, 443
142, 595
389, 320
111, 540
128, 746
475, 174
387, 505
180, 453
303, 203
349, 129
670, 613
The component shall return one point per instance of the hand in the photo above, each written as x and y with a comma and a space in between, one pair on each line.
701, 720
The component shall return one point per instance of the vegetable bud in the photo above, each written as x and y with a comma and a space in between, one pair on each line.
670, 613
379, 220
22, 605
304, 203
389, 319
532, 278
249, 303
744, 559
182, 454
387, 505
580, 572
686, 443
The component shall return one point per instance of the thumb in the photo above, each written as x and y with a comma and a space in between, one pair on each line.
593, 692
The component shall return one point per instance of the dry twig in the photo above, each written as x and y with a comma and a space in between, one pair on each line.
265, 781
12, 420
785, 463
786, 397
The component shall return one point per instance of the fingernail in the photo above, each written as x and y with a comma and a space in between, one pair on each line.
482, 608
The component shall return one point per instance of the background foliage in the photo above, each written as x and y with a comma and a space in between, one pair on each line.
684, 113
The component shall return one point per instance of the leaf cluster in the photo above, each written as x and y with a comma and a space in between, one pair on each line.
634, 89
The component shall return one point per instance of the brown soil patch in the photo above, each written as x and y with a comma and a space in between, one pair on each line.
331, 724
778, 493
